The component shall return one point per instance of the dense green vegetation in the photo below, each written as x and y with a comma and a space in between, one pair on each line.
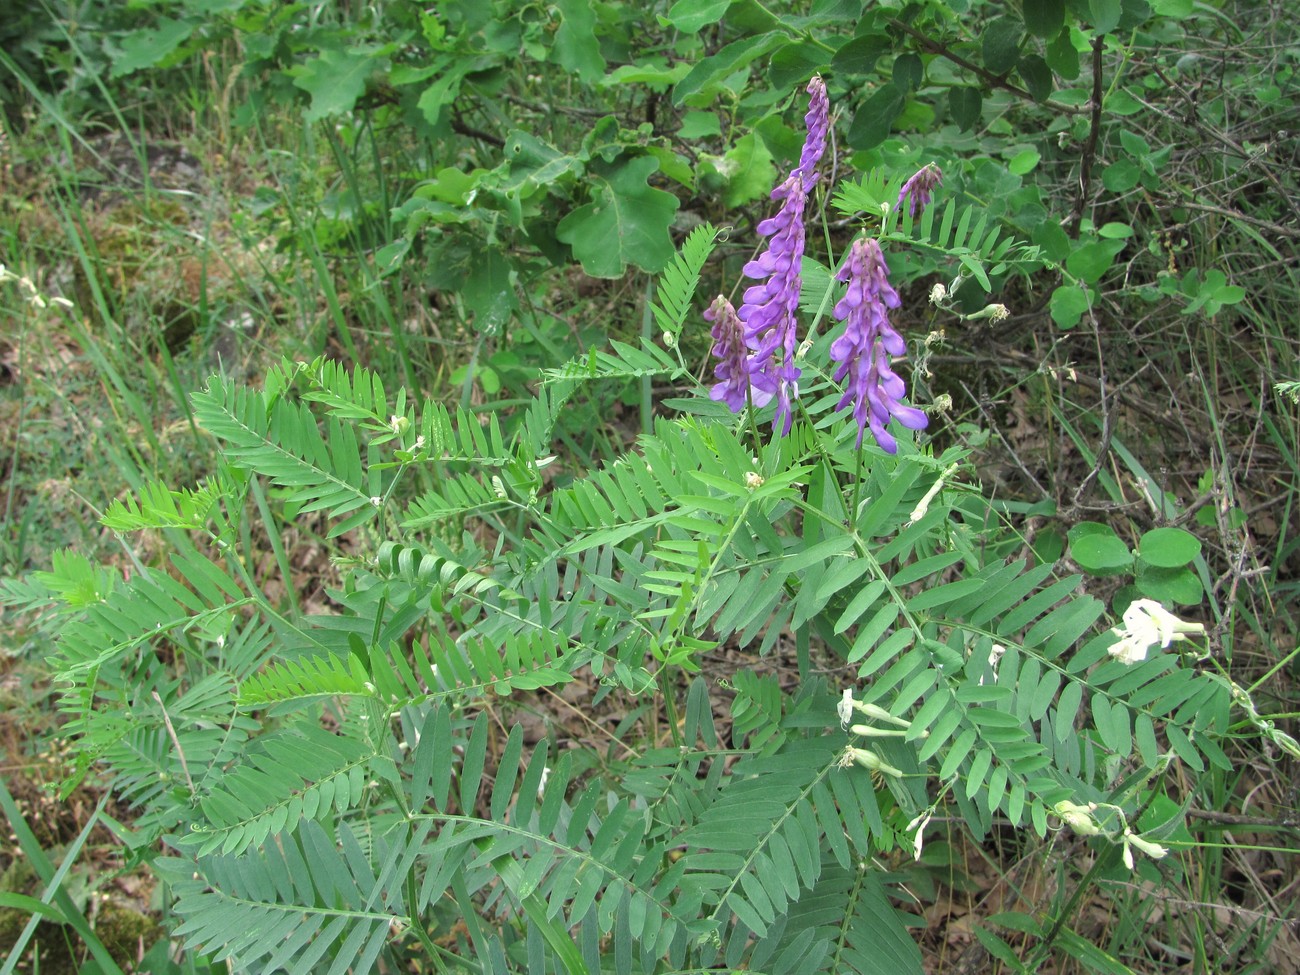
408, 565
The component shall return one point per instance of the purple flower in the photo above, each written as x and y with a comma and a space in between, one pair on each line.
818, 124
770, 307
863, 351
732, 354
916, 191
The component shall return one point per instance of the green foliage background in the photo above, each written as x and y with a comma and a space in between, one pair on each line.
445, 335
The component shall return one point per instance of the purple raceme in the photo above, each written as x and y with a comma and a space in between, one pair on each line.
818, 124
733, 355
873, 388
770, 307
916, 191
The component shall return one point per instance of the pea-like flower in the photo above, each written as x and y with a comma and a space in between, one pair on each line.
1147, 623
732, 354
770, 308
916, 191
818, 123
1081, 819
1131, 840
873, 388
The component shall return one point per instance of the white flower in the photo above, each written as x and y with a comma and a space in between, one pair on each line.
845, 708
1131, 840
1129, 650
995, 654
1078, 818
923, 505
938, 293
848, 705
1147, 623
919, 824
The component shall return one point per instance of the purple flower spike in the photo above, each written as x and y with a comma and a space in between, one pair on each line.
873, 388
818, 123
770, 307
732, 369
916, 191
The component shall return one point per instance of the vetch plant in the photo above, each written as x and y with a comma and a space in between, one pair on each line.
769, 314
323, 785
873, 389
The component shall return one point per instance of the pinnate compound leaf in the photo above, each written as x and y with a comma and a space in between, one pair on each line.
679, 280
626, 223
875, 938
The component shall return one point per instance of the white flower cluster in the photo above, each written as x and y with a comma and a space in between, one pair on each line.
1083, 820
33, 294
1147, 623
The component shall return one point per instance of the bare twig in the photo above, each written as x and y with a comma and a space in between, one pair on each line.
175, 741
1234, 819
1094, 133
931, 46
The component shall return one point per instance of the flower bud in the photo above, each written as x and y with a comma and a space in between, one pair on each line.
869, 759
1078, 818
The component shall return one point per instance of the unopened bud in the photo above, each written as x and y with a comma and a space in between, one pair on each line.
1078, 818
870, 760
